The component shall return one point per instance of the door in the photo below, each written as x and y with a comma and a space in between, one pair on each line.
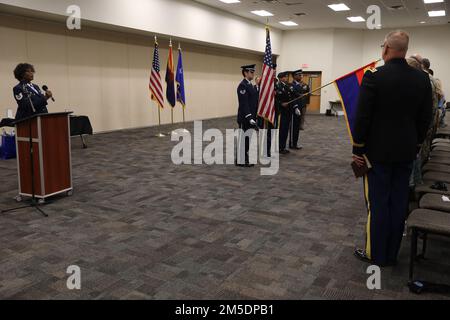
314, 80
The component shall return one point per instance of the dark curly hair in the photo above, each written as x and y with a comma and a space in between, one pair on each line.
21, 69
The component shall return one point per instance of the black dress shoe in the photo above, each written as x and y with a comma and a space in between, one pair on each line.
297, 148
284, 151
249, 165
362, 255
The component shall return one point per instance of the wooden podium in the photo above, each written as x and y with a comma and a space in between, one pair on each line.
51, 154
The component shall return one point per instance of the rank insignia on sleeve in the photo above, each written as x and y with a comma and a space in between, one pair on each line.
19, 96
243, 91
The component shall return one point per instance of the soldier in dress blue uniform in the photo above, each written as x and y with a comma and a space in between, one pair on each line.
247, 113
284, 94
393, 116
298, 106
26, 91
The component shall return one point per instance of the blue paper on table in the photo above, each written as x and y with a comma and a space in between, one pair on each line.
8, 148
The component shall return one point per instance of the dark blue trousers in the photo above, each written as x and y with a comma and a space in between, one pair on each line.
386, 190
294, 131
285, 123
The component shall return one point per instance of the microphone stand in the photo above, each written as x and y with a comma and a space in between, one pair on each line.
34, 202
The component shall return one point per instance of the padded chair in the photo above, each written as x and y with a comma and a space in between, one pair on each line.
442, 149
425, 222
433, 176
436, 167
434, 202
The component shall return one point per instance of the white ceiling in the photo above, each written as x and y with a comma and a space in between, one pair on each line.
318, 15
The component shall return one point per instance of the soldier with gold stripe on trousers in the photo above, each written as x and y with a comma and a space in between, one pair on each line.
393, 116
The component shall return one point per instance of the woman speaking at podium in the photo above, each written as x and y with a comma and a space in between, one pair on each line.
29, 97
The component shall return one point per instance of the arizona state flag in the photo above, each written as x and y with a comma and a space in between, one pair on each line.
170, 79
348, 88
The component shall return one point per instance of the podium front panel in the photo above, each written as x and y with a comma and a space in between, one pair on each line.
23, 158
56, 153
51, 155
22, 130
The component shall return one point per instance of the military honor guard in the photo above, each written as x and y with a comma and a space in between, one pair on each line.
29, 97
306, 100
283, 95
247, 113
299, 105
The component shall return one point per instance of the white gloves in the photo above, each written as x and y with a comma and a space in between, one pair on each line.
298, 113
252, 122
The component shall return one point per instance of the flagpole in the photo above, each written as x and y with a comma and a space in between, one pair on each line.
160, 134
183, 107
173, 132
171, 109
315, 90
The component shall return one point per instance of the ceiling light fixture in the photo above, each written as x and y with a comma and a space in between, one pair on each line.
262, 13
432, 1
230, 1
438, 13
356, 19
289, 23
339, 7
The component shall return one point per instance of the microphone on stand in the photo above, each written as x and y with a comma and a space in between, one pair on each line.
25, 91
45, 88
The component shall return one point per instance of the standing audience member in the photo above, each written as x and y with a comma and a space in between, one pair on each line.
393, 116
416, 175
442, 104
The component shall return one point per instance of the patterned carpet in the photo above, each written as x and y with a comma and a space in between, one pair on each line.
140, 227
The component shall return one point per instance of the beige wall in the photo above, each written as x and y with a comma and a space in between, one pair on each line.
430, 42
104, 74
185, 19
336, 52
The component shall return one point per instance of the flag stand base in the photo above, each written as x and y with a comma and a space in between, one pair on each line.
160, 135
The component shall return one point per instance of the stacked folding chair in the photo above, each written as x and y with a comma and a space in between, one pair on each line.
433, 215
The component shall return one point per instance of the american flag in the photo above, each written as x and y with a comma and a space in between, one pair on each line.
155, 79
266, 108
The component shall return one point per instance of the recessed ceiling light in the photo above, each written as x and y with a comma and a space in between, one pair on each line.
438, 13
289, 23
422, 22
262, 13
356, 19
433, 1
339, 7
230, 1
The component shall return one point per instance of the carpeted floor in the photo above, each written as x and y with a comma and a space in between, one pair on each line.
140, 227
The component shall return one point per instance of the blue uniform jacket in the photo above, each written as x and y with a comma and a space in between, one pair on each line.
248, 102
24, 108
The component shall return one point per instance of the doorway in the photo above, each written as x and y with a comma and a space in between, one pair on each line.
314, 80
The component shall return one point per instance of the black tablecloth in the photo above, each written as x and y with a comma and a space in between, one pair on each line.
80, 125
7, 123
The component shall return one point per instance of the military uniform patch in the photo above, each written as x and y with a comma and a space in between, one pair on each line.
243, 92
19, 96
